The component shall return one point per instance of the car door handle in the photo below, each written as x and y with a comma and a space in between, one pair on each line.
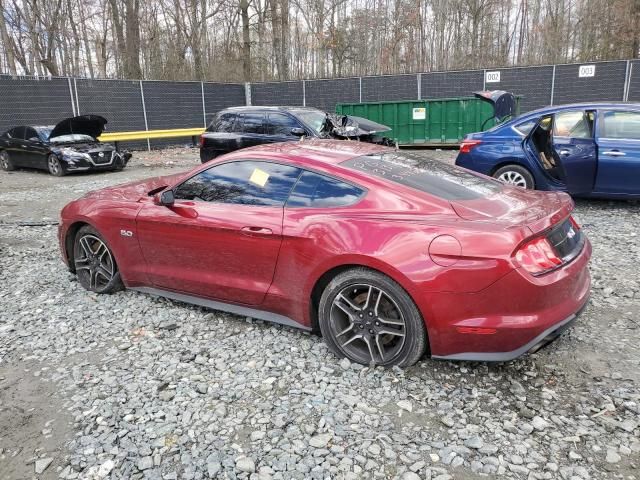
614, 153
564, 153
256, 231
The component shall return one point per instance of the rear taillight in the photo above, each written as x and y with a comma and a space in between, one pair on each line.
201, 141
537, 256
467, 145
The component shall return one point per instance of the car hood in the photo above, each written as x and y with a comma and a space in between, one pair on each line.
134, 191
518, 207
92, 125
349, 126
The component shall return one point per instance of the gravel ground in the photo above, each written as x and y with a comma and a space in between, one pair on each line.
132, 386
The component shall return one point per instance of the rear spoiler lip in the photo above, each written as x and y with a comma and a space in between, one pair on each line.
536, 226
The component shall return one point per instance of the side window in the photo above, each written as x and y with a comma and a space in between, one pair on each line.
621, 125
281, 124
243, 182
225, 123
525, 127
573, 124
18, 133
252, 123
31, 134
318, 191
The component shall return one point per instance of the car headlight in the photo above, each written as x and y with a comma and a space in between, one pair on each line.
70, 154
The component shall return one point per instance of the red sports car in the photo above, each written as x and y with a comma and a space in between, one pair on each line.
388, 254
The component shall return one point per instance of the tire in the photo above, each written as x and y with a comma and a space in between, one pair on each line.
94, 262
5, 162
370, 319
54, 166
515, 175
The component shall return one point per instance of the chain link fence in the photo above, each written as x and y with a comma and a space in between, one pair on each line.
150, 105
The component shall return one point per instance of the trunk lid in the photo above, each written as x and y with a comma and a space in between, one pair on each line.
514, 206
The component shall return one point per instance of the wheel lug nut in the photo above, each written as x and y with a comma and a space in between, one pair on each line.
377, 324
360, 315
361, 326
370, 330
371, 314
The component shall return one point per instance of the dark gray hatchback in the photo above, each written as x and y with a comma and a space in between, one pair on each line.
240, 127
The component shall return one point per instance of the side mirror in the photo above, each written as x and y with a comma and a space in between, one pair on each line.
164, 198
297, 131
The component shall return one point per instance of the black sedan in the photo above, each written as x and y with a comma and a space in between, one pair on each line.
70, 146
240, 127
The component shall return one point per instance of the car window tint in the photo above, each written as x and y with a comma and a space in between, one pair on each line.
244, 182
525, 127
319, 191
18, 133
572, 124
30, 133
281, 124
425, 174
225, 123
621, 125
252, 123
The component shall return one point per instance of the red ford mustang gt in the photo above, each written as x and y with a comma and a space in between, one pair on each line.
386, 253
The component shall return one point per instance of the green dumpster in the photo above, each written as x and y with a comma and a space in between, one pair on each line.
442, 121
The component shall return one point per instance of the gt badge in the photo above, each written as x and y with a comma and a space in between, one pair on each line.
126, 233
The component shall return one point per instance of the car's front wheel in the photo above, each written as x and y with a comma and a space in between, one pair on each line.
5, 162
94, 262
54, 166
370, 319
515, 175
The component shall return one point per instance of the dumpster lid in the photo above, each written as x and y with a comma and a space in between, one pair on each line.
504, 103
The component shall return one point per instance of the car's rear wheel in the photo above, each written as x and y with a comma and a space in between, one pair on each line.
515, 175
54, 166
5, 162
94, 262
370, 319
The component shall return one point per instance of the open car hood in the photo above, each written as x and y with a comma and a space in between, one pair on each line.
349, 126
92, 125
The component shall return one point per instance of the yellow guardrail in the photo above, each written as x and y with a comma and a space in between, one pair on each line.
150, 134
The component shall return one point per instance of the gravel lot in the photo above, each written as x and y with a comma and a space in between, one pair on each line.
132, 386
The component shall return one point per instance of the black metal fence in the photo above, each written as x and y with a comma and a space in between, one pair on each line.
150, 105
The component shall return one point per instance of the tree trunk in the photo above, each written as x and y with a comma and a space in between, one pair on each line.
8, 44
132, 22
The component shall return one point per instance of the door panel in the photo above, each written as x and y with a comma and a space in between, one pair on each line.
221, 237
618, 153
576, 150
564, 147
578, 161
16, 147
220, 251
35, 150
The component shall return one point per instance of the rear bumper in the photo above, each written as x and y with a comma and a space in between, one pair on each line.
540, 341
513, 316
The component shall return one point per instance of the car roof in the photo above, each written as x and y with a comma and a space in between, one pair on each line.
574, 106
253, 108
314, 150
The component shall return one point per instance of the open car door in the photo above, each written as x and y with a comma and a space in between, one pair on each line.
563, 145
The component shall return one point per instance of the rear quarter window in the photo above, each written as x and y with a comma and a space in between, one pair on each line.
224, 123
425, 175
318, 191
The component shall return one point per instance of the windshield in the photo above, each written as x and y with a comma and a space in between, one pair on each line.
426, 175
313, 118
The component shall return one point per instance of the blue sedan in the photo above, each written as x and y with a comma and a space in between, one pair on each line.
587, 150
